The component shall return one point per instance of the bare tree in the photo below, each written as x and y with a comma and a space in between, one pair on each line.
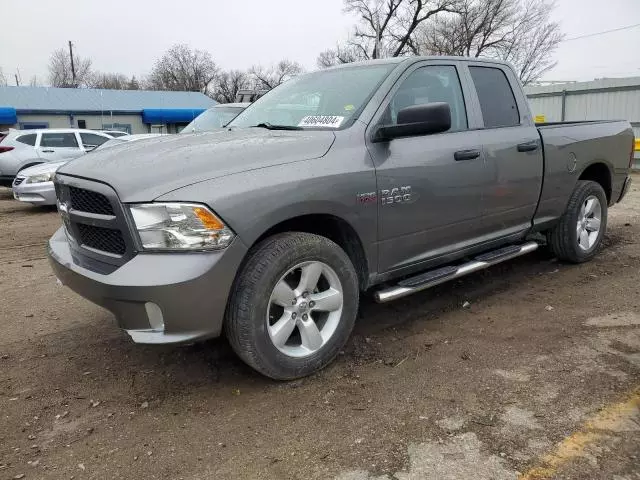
3, 79
110, 81
60, 74
385, 28
517, 31
275, 75
114, 81
227, 85
183, 69
339, 55
133, 84
34, 81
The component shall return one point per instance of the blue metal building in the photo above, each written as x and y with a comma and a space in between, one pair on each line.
134, 111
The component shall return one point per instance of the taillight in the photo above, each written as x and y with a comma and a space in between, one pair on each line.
5, 149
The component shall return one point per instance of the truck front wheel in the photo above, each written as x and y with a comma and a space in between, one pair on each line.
293, 305
580, 231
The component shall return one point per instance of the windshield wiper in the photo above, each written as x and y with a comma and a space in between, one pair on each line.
271, 126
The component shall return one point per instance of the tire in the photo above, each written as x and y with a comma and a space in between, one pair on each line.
564, 239
291, 261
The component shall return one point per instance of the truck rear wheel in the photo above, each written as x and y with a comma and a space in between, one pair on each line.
293, 305
580, 231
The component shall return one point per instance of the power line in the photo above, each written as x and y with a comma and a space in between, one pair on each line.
601, 33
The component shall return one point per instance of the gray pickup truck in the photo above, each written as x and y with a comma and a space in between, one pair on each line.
387, 177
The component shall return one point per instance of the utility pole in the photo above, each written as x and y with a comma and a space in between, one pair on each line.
73, 68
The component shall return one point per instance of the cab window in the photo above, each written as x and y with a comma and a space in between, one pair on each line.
434, 83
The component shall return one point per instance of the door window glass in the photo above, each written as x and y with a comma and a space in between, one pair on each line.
59, 140
497, 102
92, 140
27, 139
435, 83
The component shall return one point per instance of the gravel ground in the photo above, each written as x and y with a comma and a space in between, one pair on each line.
538, 378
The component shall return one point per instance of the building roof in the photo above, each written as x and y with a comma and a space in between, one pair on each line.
50, 99
629, 83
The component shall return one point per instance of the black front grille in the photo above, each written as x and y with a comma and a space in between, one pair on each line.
18, 181
95, 221
88, 201
103, 239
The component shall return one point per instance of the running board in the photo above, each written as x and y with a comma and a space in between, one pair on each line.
436, 277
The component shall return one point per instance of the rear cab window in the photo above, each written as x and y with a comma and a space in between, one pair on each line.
497, 101
59, 140
29, 139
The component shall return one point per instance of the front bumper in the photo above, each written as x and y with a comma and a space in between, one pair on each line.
43, 193
157, 297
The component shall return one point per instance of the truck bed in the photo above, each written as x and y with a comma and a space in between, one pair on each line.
569, 148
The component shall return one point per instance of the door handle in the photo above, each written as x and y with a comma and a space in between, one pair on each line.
528, 147
48, 151
466, 154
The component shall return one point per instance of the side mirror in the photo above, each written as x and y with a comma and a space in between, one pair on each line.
417, 120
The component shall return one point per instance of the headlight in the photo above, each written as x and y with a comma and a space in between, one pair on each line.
179, 226
43, 177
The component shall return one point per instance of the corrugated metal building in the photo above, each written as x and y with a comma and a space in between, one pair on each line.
133, 111
603, 99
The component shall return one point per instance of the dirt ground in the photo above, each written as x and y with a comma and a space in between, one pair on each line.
538, 378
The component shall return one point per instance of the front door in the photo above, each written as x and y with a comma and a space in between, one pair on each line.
58, 146
429, 187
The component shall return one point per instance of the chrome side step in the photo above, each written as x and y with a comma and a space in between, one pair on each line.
444, 274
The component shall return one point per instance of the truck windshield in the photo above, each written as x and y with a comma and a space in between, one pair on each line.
326, 99
212, 119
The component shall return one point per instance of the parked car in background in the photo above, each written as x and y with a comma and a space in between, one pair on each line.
129, 138
21, 149
215, 117
114, 133
35, 184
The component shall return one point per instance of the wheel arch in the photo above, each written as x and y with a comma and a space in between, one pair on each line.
600, 173
332, 227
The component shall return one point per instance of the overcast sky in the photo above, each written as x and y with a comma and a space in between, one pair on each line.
128, 35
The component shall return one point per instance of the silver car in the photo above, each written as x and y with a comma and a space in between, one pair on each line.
20, 149
35, 184
215, 117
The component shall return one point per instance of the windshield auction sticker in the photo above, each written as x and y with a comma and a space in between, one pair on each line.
329, 121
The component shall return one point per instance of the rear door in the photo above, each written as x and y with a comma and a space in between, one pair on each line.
59, 146
430, 186
512, 150
25, 146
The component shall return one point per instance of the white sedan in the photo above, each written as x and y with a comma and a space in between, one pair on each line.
35, 184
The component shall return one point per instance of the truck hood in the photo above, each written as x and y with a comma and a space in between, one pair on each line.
142, 171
